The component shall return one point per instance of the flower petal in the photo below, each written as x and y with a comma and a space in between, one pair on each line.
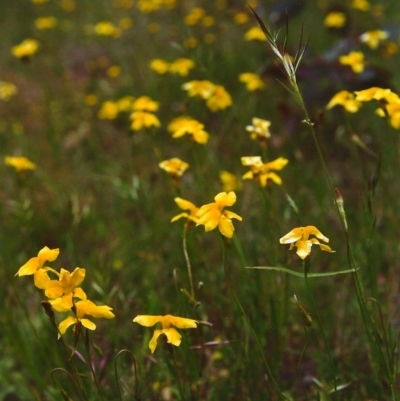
173, 337
303, 248
314, 231
180, 322
226, 227
88, 324
147, 321
292, 236
29, 267
41, 278
69, 321
153, 341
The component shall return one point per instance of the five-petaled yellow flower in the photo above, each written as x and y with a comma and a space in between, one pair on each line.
36, 266
186, 125
167, 321
213, 215
261, 172
143, 119
299, 237
84, 308
181, 66
20, 163
347, 100
259, 129
252, 81
186, 205
175, 167
355, 60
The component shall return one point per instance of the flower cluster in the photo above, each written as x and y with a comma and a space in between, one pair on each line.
181, 66
143, 114
20, 163
26, 49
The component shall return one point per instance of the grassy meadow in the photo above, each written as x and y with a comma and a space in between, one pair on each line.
268, 132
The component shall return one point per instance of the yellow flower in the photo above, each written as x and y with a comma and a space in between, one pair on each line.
145, 103
241, 18
84, 308
345, 99
335, 19
213, 215
125, 103
393, 110
62, 291
229, 181
376, 93
175, 167
181, 66
167, 321
219, 100
36, 267
7, 90
373, 38
361, 5
45, 23
108, 111
106, 28
187, 125
20, 163
159, 65
253, 81
355, 60
259, 129
186, 205
194, 16
203, 89
91, 100
255, 33
299, 237
261, 172
114, 71
25, 49
144, 119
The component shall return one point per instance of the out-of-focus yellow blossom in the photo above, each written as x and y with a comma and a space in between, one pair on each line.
230, 182
389, 49
373, 38
149, 6
91, 100
108, 111
219, 100
36, 267
20, 163
187, 125
125, 103
299, 237
125, 23
67, 5
45, 23
167, 321
7, 90
145, 103
361, 5
123, 3
106, 28
345, 99
175, 167
393, 111
255, 33
186, 205
208, 21
26, 49
191, 42
181, 66
170, 3
335, 19
209, 38
159, 65
143, 119
62, 291
84, 308
261, 172
194, 16
355, 60
376, 93
213, 214
203, 89
253, 81
241, 18
259, 129
114, 71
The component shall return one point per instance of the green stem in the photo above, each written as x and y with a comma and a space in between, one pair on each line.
178, 378
185, 252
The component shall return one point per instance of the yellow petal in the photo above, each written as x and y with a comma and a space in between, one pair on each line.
47, 254
29, 267
77, 277
226, 227
180, 322
147, 321
153, 341
41, 279
311, 230
232, 215
303, 248
173, 337
292, 236
79, 293
88, 324
54, 289
69, 321
225, 199
277, 164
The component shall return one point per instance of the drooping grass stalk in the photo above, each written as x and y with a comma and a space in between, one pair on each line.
137, 395
270, 376
306, 269
187, 259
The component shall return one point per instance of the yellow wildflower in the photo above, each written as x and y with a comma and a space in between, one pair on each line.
167, 321
125, 23
373, 38
36, 267
84, 308
219, 100
230, 182
91, 100
26, 49
335, 19
253, 81
259, 129
213, 215
125, 103
143, 119
194, 16
159, 65
114, 71
203, 89
145, 103
20, 163
7, 90
376, 93
208, 21
355, 60
67, 5
241, 18
175, 167
191, 42
187, 125
108, 111
44, 23
106, 28
345, 99
299, 237
361, 5
181, 66
261, 172
255, 33
186, 205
